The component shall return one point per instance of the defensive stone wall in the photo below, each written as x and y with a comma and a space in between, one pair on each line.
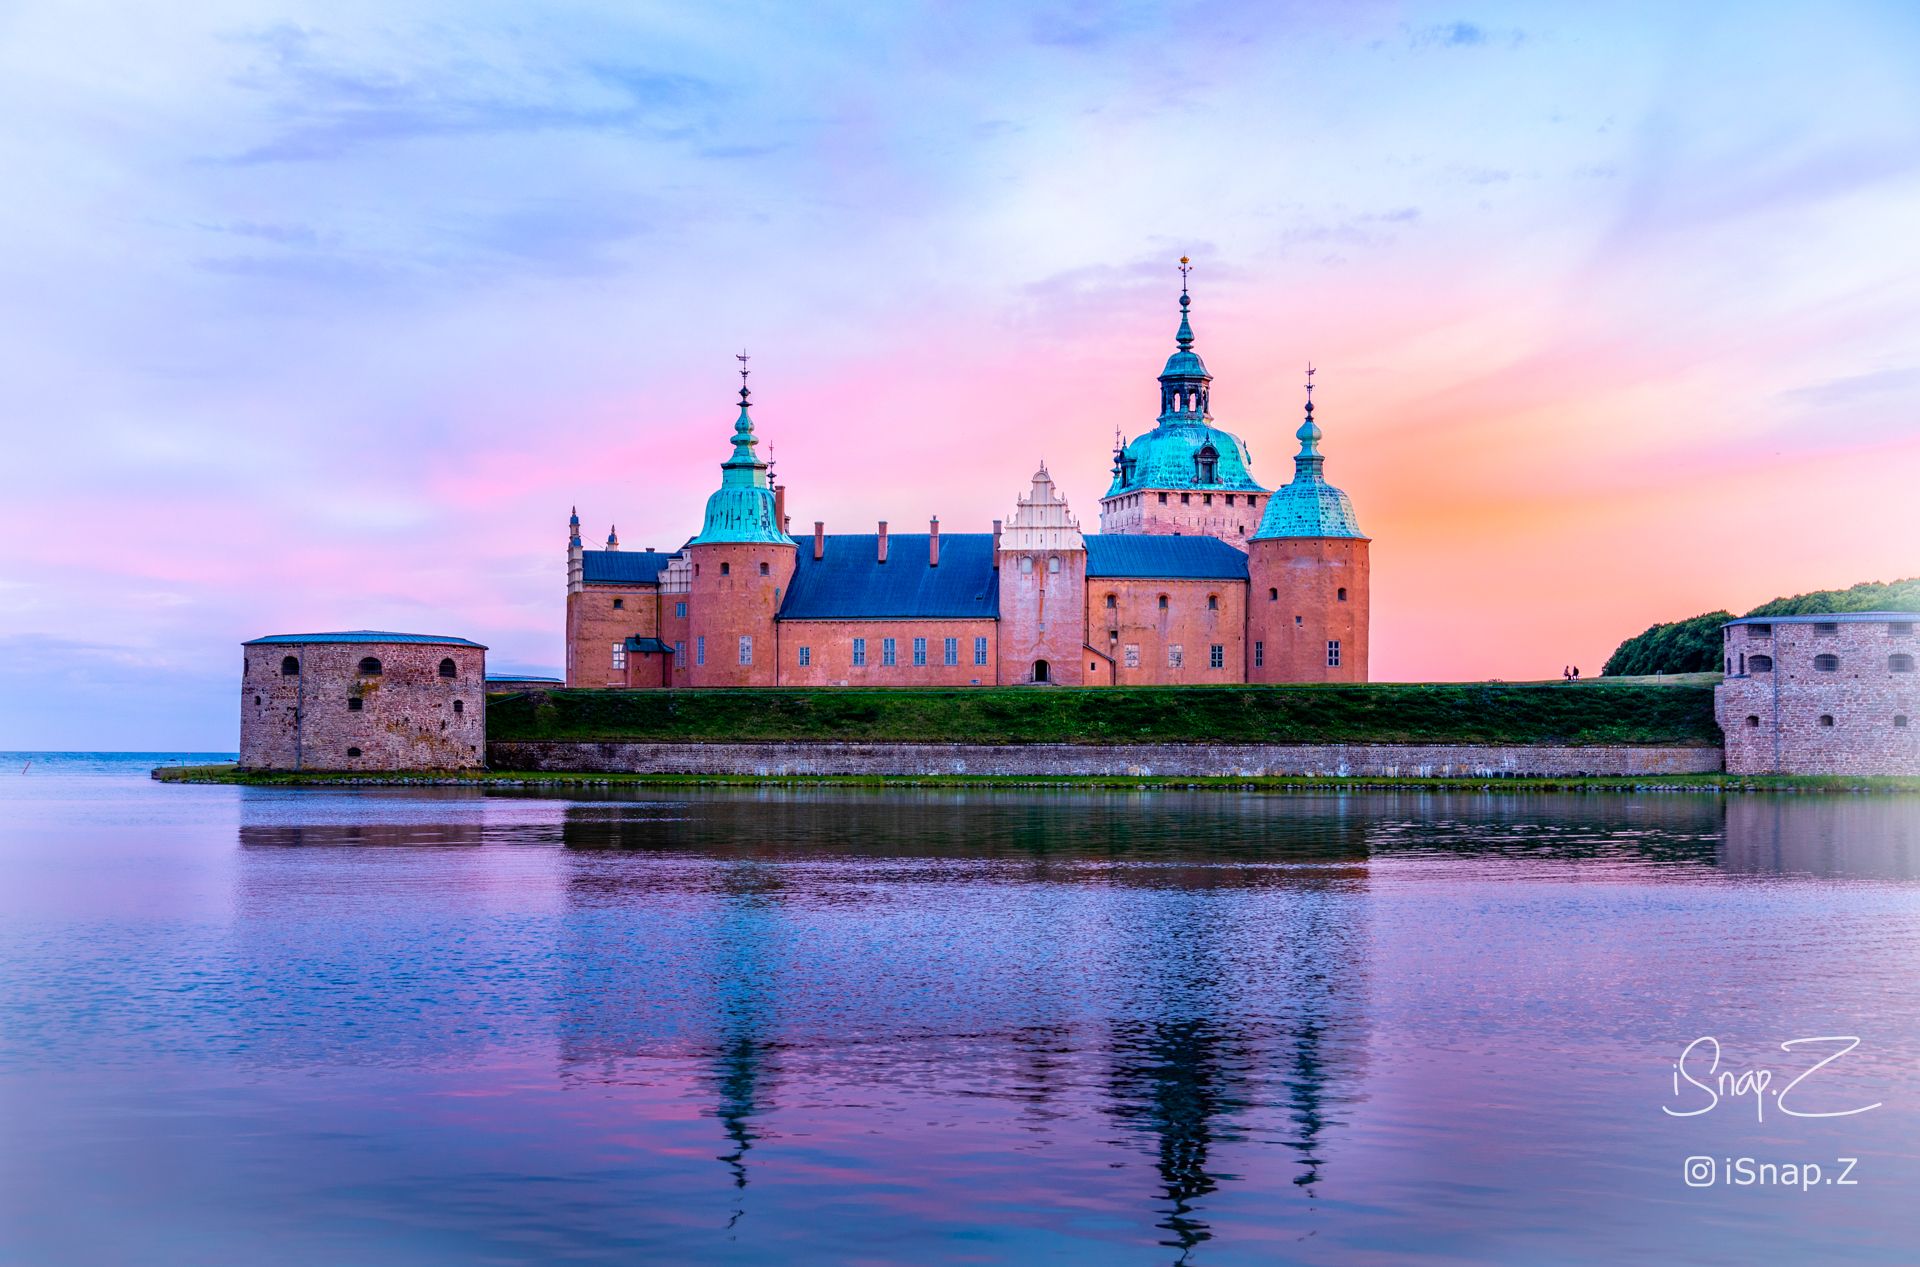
1814, 695
1145, 760
312, 706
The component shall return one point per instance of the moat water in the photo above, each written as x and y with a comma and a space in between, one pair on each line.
449, 1026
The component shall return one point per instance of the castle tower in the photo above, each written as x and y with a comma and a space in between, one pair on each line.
742, 563
576, 582
1307, 571
1043, 590
1184, 477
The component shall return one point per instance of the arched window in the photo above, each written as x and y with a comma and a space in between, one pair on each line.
1900, 663
1826, 719
1112, 602
1752, 720
1053, 563
370, 666
1163, 602
1206, 464
290, 666
1826, 664
1273, 594
764, 570
1213, 602
1341, 595
1759, 664
447, 668
459, 706
1026, 564
353, 752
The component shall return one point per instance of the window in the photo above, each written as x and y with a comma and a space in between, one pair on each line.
1113, 601
1216, 656
1229, 499
1259, 655
370, 667
355, 703
859, 652
1176, 656
1026, 565
619, 603
290, 666
979, 651
1759, 663
1340, 595
1205, 464
1273, 595
950, 651
1186, 499
1900, 721
765, 570
700, 649
746, 648
619, 655
889, 653
1133, 655
806, 656
920, 653
1206, 499
1053, 563
726, 569
448, 669
1163, 499
1759, 631
1333, 653
1899, 664
1901, 629
256, 701
353, 752
680, 611
680, 651
459, 706
1299, 621
1826, 663
1213, 602
1163, 602
1826, 626
1826, 720
1752, 720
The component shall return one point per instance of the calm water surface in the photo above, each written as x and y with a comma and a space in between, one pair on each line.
447, 1026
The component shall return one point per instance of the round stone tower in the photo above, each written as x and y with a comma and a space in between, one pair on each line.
1307, 571
742, 563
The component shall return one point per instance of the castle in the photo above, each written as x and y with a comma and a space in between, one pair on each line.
1200, 574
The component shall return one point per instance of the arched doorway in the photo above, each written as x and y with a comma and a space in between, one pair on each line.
1041, 671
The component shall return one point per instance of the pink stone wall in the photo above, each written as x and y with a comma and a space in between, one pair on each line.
830, 647
594, 625
407, 719
1043, 616
732, 598
1304, 592
1772, 719
1144, 639
1232, 517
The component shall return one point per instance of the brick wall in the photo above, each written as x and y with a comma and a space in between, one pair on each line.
1042, 615
1199, 515
406, 719
1794, 718
594, 625
830, 646
730, 598
1142, 760
1295, 609
1148, 633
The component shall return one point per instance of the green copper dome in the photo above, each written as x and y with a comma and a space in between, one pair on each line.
1184, 450
1309, 506
742, 509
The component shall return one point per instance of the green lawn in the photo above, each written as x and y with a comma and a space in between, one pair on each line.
1513, 713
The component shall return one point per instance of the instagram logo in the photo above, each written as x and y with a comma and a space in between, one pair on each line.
1698, 1172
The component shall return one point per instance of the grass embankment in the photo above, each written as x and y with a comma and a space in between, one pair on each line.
1274, 783
1496, 713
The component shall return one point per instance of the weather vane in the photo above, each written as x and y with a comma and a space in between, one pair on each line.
1309, 384
1186, 266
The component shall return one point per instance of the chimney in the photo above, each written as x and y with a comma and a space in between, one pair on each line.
819, 539
883, 541
780, 507
933, 542
996, 538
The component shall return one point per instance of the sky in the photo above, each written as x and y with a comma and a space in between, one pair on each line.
323, 316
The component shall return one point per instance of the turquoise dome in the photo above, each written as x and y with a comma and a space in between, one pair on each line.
1309, 506
742, 508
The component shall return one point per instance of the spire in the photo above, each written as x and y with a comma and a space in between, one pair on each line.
1184, 336
1308, 464
573, 529
613, 538
1183, 383
743, 509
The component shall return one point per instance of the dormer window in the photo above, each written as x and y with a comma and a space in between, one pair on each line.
1206, 465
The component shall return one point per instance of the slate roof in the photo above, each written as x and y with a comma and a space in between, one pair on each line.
1164, 558
637, 643
361, 635
622, 567
850, 583
1829, 618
